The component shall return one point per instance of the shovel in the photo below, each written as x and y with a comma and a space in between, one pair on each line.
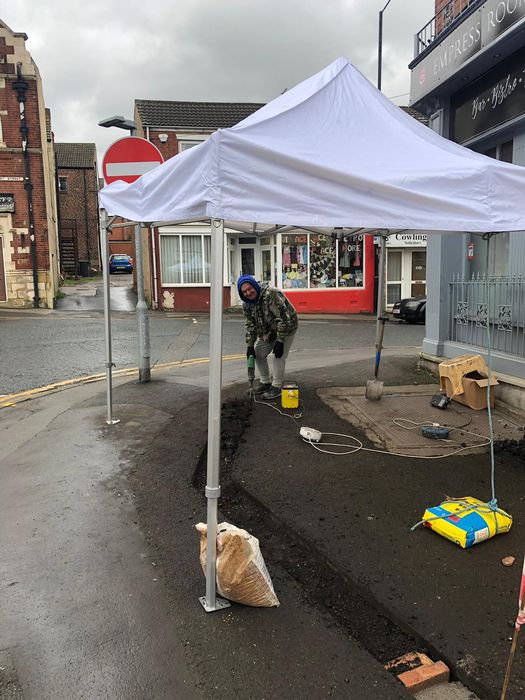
374, 387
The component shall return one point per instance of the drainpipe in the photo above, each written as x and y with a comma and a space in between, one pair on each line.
154, 266
21, 86
86, 219
59, 219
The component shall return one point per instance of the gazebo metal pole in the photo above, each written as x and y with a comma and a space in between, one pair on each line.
213, 490
104, 249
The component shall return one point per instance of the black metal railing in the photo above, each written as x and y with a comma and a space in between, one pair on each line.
448, 15
477, 301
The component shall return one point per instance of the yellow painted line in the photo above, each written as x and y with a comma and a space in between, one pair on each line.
12, 399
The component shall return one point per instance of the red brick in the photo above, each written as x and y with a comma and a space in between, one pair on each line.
425, 676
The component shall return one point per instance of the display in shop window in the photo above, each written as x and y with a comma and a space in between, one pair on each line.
350, 273
295, 261
322, 261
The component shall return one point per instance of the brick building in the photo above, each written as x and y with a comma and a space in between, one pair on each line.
29, 272
77, 184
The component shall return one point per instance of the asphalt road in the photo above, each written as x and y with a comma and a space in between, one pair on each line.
41, 347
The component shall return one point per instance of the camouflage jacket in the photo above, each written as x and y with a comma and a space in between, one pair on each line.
272, 318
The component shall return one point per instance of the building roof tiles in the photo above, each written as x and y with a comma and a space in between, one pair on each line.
75, 155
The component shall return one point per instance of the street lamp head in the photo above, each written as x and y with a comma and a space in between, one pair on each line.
119, 122
128, 124
112, 121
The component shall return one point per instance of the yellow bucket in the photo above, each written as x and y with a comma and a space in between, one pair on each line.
290, 395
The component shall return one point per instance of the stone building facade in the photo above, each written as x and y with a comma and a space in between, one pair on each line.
468, 77
29, 265
77, 184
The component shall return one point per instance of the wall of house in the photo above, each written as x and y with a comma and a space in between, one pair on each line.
79, 204
15, 225
191, 299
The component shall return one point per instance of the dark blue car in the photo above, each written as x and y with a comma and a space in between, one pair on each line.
119, 262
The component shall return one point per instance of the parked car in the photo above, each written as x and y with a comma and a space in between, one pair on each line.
411, 310
119, 262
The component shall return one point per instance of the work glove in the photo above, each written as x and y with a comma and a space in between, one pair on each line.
250, 351
278, 348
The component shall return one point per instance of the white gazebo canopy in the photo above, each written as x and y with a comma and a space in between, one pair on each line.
331, 152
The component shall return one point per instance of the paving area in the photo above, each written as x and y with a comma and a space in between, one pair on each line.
393, 423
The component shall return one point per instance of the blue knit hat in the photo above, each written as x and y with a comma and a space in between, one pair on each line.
243, 279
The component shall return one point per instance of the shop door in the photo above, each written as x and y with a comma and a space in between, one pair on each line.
248, 262
267, 261
3, 290
418, 287
394, 276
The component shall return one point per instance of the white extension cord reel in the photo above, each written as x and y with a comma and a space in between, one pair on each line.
310, 434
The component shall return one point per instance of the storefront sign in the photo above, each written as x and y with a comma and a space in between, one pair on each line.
477, 31
407, 240
7, 203
11, 178
492, 100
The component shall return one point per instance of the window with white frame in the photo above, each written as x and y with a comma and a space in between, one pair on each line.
185, 145
185, 259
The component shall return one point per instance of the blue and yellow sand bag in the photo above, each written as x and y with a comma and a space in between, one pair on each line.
467, 521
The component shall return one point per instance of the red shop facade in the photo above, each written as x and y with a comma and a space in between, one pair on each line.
319, 273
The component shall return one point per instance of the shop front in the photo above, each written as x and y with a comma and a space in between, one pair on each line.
406, 266
319, 273
327, 274
469, 79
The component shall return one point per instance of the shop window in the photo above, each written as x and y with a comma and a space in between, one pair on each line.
350, 268
185, 259
295, 261
317, 261
322, 261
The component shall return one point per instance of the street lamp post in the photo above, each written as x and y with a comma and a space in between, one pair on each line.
141, 308
380, 46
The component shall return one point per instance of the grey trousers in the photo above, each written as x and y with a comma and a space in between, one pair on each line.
262, 350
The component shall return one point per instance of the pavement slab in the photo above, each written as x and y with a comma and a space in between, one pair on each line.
393, 422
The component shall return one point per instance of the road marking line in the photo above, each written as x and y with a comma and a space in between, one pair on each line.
12, 399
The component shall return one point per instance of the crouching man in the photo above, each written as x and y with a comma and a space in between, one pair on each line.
271, 323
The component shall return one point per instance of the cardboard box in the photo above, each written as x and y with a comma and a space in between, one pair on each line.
474, 391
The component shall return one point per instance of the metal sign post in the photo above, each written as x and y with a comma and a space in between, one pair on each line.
104, 248
142, 312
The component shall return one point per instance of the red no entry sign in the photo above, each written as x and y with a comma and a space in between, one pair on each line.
129, 158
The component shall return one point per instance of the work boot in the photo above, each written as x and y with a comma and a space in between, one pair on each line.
261, 388
273, 393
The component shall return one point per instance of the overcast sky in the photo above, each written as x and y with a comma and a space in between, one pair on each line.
97, 56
